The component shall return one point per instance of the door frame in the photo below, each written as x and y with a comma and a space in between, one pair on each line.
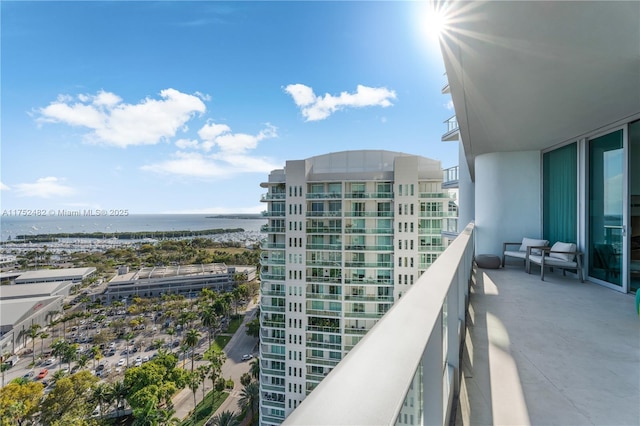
624, 267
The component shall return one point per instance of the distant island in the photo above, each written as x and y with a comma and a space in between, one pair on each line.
236, 216
123, 235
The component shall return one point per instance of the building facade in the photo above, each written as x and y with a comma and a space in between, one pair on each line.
186, 280
348, 234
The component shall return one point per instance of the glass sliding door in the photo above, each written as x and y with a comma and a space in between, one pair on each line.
634, 210
606, 230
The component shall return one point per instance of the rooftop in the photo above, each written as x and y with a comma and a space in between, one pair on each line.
18, 291
42, 274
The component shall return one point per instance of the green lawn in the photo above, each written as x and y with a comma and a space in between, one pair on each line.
220, 342
235, 324
205, 409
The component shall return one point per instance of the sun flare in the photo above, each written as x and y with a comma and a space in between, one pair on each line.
435, 20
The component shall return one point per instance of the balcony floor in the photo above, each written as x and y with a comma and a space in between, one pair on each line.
549, 352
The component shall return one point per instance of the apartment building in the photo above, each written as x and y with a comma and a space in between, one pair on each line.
348, 234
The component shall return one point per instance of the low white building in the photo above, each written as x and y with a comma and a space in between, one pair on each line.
187, 280
22, 306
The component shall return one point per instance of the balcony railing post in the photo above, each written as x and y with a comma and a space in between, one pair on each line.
432, 376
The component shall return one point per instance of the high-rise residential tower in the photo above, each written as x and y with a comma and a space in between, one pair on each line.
348, 233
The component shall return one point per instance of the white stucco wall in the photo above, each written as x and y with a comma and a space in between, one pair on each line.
466, 192
507, 199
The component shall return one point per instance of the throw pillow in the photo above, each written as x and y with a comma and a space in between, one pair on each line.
560, 246
529, 242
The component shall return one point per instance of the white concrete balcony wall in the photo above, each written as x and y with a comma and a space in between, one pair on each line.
508, 199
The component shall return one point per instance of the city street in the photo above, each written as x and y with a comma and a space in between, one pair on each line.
233, 369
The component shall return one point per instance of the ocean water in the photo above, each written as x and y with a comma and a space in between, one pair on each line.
12, 226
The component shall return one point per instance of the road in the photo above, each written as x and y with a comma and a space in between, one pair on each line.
233, 368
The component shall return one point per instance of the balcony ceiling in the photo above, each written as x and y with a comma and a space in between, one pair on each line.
528, 75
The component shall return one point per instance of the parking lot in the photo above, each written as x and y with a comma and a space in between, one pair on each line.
141, 337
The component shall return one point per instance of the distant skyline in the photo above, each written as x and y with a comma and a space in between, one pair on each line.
185, 107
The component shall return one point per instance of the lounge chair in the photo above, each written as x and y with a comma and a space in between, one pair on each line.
521, 252
560, 255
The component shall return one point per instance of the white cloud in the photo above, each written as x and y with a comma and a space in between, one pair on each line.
113, 122
316, 108
4, 187
230, 158
186, 143
196, 164
46, 187
449, 105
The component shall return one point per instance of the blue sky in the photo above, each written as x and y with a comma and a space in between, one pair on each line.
185, 107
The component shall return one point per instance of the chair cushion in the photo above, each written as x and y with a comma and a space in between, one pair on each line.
518, 254
552, 261
528, 242
560, 246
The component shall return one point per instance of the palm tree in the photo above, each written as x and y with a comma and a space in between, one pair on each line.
226, 418
194, 383
255, 369
209, 320
58, 348
216, 359
4, 367
82, 361
118, 392
43, 335
191, 340
165, 417
33, 333
203, 372
249, 398
101, 395
95, 354
236, 294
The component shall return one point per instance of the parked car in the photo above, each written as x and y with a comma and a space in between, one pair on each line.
42, 374
121, 362
246, 357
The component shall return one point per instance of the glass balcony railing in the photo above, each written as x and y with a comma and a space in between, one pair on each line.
318, 195
324, 214
272, 229
376, 281
434, 195
323, 296
368, 214
325, 230
424, 363
267, 246
368, 247
452, 129
271, 276
324, 246
316, 279
273, 196
368, 195
450, 175
351, 230
438, 214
